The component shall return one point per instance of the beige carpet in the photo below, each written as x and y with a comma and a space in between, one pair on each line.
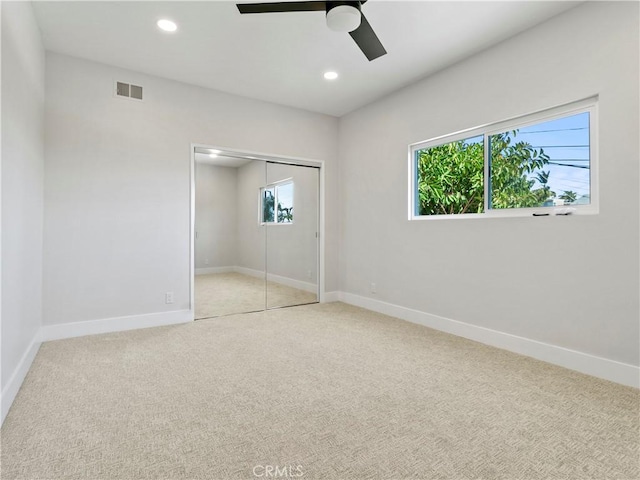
228, 293
341, 392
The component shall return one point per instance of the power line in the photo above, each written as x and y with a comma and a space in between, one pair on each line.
581, 186
569, 181
576, 181
560, 184
560, 146
569, 160
569, 165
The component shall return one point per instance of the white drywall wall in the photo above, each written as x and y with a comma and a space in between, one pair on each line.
215, 216
566, 281
117, 183
23, 64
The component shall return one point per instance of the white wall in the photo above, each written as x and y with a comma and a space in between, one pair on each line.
116, 222
502, 274
215, 216
22, 179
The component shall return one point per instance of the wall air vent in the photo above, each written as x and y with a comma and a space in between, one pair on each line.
128, 91
136, 92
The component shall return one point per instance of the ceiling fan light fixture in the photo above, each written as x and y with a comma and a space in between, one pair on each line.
343, 18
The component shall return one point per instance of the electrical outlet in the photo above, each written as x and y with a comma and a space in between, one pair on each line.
168, 297
309, 274
206, 261
373, 288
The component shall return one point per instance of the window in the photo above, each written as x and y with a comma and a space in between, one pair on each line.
277, 203
540, 164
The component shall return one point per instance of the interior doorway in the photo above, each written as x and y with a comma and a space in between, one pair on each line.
256, 222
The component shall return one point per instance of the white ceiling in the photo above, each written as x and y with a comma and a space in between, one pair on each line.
281, 57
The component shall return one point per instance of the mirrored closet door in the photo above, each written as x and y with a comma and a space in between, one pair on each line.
292, 234
256, 234
230, 243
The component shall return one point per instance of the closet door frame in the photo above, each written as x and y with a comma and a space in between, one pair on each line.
266, 157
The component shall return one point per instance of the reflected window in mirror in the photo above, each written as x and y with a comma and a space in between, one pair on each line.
277, 203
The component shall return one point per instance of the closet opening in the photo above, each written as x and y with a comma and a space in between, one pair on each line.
255, 232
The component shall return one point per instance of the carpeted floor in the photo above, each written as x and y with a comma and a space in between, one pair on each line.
328, 390
220, 294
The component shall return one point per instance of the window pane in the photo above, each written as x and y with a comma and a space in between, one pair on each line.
268, 204
285, 203
541, 165
450, 178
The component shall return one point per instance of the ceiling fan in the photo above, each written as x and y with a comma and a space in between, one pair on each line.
341, 17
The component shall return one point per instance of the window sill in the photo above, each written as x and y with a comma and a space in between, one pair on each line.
529, 212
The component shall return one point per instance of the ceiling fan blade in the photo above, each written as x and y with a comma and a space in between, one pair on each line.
367, 40
275, 7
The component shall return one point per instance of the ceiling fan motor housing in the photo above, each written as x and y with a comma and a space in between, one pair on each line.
343, 16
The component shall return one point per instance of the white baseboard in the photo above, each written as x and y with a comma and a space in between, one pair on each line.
210, 270
116, 324
330, 297
612, 370
249, 271
289, 282
10, 391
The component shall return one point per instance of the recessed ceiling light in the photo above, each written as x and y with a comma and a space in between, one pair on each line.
167, 25
330, 75
214, 151
213, 155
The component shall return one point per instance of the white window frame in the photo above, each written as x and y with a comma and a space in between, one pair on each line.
586, 105
275, 186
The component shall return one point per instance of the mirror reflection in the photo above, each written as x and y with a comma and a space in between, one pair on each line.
256, 241
291, 204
